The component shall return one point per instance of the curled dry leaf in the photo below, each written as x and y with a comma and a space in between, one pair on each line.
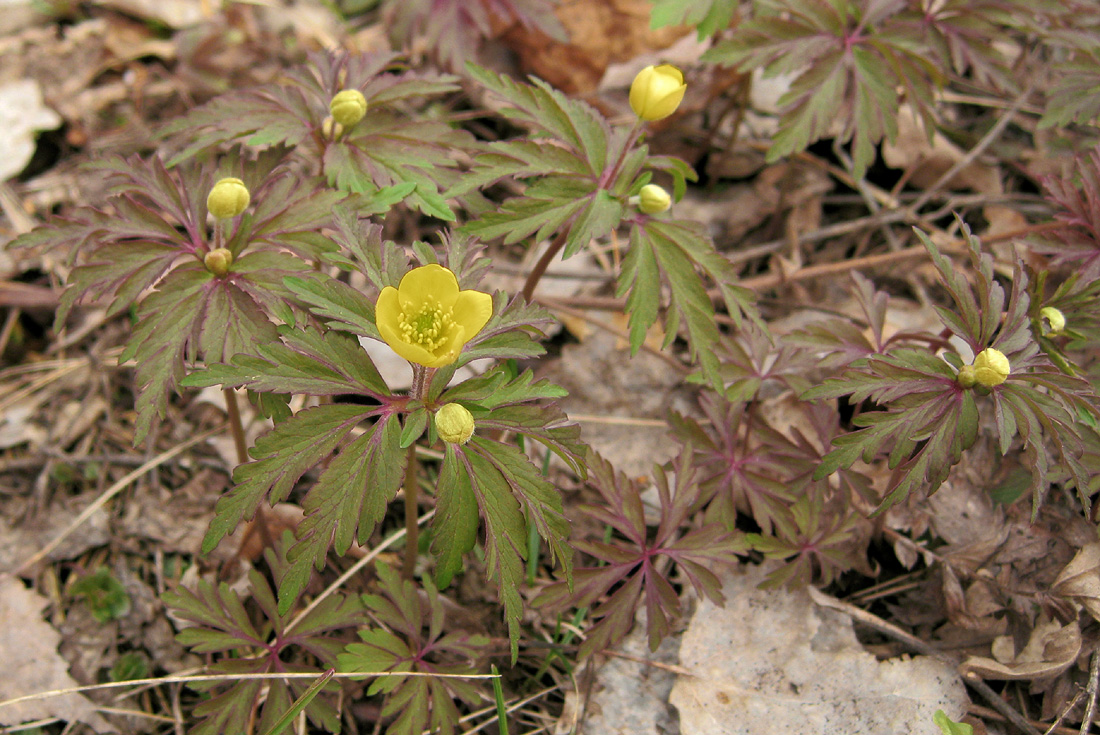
1052, 649
1080, 579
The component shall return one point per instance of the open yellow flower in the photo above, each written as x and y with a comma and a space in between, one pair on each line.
427, 319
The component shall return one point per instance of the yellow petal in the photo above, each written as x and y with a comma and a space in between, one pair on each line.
387, 317
387, 310
657, 91
472, 310
429, 281
417, 354
639, 90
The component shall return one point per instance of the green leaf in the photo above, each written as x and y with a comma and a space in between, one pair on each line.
708, 16
602, 215
506, 532
104, 595
351, 495
495, 388
345, 307
848, 60
540, 500
576, 124
948, 726
165, 332
415, 424
304, 361
455, 526
546, 207
282, 456
300, 704
676, 248
420, 702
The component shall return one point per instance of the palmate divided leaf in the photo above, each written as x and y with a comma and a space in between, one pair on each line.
928, 418
483, 478
151, 254
224, 630
411, 638
848, 60
708, 16
634, 571
387, 148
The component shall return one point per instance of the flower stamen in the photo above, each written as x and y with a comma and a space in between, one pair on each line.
430, 326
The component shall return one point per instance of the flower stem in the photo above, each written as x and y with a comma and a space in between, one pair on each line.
236, 428
537, 272
412, 530
421, 380
608, 174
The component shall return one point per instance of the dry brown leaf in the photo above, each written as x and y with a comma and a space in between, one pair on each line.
773, 661
20, 539
22, 114
172, 13
929, 161
620, 401
1052, 649
600, 32
28, 648
1080, 579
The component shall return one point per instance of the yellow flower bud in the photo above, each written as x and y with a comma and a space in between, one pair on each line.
991, 368
966, 378
652, 199
454, 423
228, 198
348, 107
218, 260
657, 91
331, 129
1054, 319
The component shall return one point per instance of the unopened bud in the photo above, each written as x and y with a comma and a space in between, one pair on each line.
228, 198
331, 129
454, 423
652, 199
657, 91
991, 367
218, 260
348, 107
966, 378
1054, 321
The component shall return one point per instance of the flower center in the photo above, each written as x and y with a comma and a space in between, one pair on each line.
430, 326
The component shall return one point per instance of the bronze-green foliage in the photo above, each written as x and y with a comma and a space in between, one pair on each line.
276, 314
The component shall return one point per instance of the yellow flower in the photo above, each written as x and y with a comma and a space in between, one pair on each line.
228, 198
454, 423
427, 320
657, 91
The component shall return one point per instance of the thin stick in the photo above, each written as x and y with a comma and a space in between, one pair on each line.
224, 677
110, 493
1094, 686
985, 142
9, 327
